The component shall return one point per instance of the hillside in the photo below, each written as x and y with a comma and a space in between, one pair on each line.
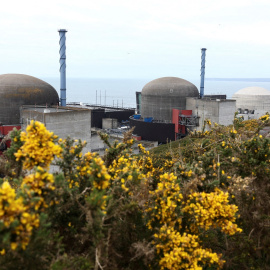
198, 203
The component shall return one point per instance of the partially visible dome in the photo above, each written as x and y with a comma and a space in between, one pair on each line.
254, 98
160, 96
253, 91
19, 89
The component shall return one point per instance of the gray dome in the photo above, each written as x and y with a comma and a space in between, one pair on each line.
170, 85
17, 90
162, 95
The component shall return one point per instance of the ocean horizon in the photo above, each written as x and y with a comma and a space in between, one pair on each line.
121, 92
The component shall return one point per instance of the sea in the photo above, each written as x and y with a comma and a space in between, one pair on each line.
121, 92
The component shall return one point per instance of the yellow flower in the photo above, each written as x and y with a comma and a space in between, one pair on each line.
38, 146
13, 245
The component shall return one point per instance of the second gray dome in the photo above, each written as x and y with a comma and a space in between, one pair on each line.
19, 89
162, 95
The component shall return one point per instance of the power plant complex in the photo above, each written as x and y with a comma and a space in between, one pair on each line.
167, 107
171, 106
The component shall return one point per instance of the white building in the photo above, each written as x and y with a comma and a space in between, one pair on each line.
252, 102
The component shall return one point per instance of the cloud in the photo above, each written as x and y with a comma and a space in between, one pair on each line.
155, 32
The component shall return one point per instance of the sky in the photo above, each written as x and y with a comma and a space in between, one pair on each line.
136, 39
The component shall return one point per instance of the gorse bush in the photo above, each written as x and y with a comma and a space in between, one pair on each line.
200, 203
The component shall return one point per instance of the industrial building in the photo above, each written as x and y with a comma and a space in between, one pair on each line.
62, 121
220, 111
171, 106
158, 99
167, 107
98, 113
160, 96
24, 98
252, 102
19, 89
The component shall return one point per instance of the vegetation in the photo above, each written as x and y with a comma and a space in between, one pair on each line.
198, 203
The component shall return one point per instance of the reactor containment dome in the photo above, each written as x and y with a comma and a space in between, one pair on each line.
253, 98
160, 96
17, 90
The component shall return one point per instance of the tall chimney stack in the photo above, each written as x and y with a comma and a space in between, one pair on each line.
202, 73
62, 42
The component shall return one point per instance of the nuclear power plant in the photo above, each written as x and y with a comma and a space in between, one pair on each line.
24, 98
170, 107
167, 108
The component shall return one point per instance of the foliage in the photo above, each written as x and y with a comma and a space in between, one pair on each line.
198, 203
234, 159
38, 146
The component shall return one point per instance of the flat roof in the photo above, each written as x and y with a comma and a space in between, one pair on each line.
211, 99
53, 109
96, 107
73, 106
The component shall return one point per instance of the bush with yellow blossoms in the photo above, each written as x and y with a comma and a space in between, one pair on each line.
38, 147
179, 224
176, 207
17, 221
234, 159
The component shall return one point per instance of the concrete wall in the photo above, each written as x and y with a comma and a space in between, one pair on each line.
109, 123
217, 111
260, 103
227, 109
205, 109
160, 107
73, 123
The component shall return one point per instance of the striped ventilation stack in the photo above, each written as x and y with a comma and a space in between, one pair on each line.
62, 42
202, 73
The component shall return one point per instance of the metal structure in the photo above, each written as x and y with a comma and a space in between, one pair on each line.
188, 120
202, 73
138, 102
62, 43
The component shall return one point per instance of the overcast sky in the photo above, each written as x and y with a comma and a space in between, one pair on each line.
136, 39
